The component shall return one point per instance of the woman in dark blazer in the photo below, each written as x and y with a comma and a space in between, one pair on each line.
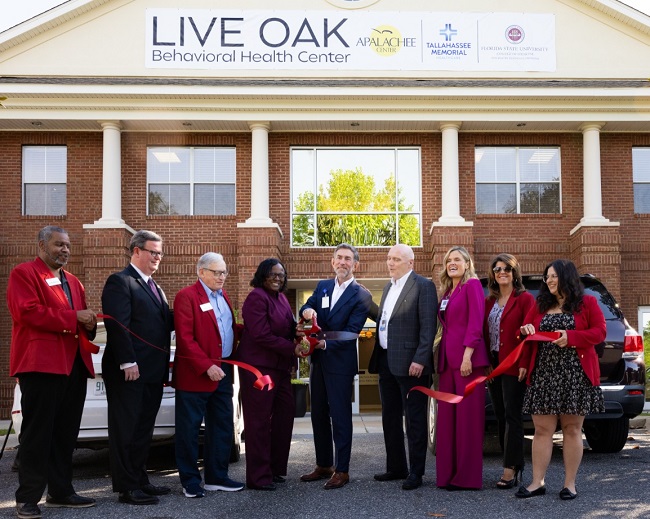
462, 358
563, 375
267, 343
505, 308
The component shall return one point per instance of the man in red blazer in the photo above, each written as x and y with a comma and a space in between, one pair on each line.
49, 313
206, 332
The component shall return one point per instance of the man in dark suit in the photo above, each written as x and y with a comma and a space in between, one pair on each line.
340, 305
406, 328
135, 366
49, 314
206, 333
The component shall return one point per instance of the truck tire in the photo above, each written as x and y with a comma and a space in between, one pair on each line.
607, 435
432, 411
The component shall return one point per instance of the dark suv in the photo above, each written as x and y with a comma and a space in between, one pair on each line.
622, 373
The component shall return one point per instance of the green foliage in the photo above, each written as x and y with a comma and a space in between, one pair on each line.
303, 368
340, 213
158, 205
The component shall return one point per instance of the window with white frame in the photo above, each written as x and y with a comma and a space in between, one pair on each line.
641, 179
191, 181
362, 196
517, 180
44, 180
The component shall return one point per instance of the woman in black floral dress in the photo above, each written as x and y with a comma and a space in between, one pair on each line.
563, 374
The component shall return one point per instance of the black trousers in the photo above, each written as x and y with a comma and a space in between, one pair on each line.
507, 395
396, 402
132, 410
52, 406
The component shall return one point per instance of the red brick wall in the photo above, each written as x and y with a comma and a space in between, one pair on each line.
534, 239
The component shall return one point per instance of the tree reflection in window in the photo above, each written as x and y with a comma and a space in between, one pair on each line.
352, 208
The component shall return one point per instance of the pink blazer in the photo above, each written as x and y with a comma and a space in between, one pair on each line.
462, 327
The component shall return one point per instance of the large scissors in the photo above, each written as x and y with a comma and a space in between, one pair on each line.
315, 334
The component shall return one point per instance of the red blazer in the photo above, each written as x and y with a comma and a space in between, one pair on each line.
45, 333
591, 330
512, 318
198, 341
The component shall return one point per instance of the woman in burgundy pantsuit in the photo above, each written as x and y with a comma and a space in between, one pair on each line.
462, 358
267, 343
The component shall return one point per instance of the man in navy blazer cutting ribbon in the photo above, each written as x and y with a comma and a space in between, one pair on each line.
340, 304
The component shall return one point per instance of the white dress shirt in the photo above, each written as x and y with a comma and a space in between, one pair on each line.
389, 305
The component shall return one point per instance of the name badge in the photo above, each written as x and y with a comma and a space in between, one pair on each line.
443, 304
382, 323
325, 302
53, 281
206, 307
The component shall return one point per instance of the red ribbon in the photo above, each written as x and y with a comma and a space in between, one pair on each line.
260, 382
507, 363
85, 342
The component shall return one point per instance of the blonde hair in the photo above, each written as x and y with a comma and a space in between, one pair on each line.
445, 281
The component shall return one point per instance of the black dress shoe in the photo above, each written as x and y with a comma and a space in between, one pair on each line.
270, 486
524, 493
279, 479
137, 497
391, 476
71, 501
153, 490
412, 482
28, 511
566, 494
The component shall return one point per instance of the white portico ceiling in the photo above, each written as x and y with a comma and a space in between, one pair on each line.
201, 105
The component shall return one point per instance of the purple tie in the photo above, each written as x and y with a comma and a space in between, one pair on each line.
153, 288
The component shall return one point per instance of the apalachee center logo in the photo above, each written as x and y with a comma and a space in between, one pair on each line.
515, 34
385, 40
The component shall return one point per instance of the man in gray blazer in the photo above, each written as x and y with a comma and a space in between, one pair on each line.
403, 357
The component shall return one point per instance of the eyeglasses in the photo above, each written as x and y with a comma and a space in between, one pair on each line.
549, 278
218, 273
278, 276
154, 253
507, 268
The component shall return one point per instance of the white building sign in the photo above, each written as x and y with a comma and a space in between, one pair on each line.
331, 40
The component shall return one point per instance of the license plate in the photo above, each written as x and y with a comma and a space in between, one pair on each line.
100, 389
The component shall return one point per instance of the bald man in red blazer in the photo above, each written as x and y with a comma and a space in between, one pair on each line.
49, 314
206, 333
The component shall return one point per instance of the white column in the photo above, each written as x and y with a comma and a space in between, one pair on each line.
450, 178
259, 177
112, 175
591, 186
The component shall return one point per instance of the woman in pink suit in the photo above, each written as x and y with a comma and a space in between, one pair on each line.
563, 375
462, 358
505, 308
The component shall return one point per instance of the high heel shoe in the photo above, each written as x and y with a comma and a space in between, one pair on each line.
524, 493
506, 484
